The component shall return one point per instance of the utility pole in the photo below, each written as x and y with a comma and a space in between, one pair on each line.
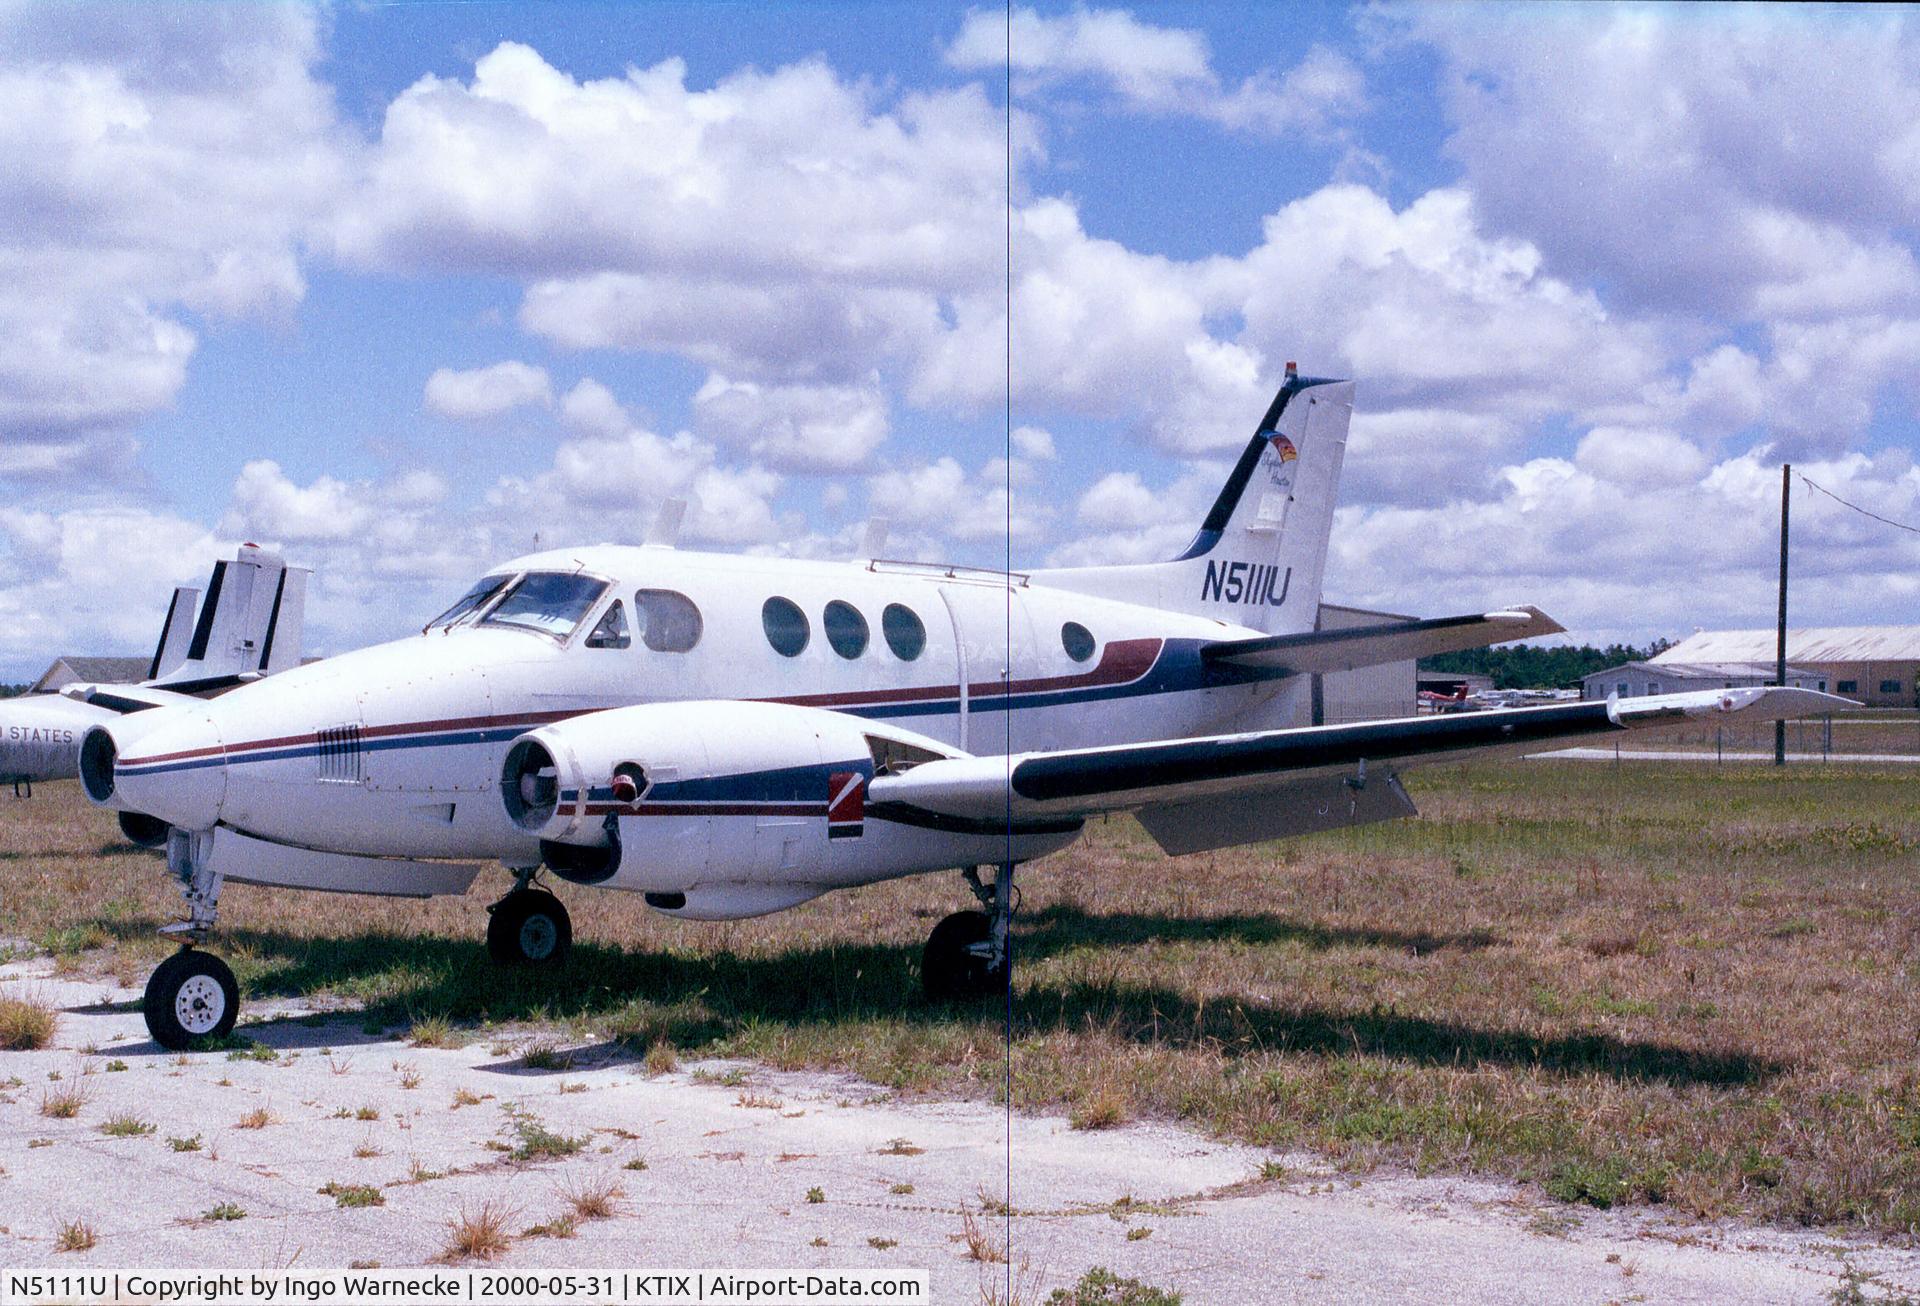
1780, 666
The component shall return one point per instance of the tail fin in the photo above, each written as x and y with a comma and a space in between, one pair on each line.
1260, 553
251, 623
171, 651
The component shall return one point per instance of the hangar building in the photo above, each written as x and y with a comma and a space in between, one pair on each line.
1633, 679
1366, 693
1878, 665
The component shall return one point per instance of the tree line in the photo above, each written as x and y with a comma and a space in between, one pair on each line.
1529, 666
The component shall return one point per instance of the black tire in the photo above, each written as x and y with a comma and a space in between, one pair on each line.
191, 996
948, 972
144, 831
529, 927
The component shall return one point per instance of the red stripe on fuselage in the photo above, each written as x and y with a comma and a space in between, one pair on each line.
1121, 661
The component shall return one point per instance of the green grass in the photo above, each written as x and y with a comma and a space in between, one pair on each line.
353, 1195
1693, 985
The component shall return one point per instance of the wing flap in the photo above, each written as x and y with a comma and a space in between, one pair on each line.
1366, 646
1306, 806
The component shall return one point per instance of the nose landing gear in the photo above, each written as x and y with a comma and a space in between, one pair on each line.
528, 927
192, 995
969, 955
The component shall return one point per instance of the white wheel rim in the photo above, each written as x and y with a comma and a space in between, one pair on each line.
199, 1004
538, 936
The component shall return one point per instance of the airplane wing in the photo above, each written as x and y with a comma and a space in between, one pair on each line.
1216, 792
1366, 646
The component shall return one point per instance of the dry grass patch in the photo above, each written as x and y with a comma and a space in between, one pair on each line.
125, 1125
479, 1232
258, 1118
63, 1101
981, 1244
26, 1024
593, 1197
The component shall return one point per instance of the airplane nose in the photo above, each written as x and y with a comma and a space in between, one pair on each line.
176, 771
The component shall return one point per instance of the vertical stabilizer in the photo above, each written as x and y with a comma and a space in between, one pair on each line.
1260, 553
251, 622
175, 632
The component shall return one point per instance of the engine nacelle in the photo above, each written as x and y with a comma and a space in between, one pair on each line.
718, 801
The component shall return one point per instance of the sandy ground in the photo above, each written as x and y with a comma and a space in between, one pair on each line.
731, 1154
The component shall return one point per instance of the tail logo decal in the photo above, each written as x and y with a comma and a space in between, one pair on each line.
1284, 447
1245, 582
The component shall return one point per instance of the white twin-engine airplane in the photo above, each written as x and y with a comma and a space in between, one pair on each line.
732, 736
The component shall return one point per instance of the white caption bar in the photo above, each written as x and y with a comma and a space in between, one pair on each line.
482, 1287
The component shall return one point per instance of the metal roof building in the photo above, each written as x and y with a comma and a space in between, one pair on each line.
91, 671
1879, 665
1634, 679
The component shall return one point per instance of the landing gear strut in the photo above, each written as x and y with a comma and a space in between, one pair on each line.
969, 955
528, 927
193, 994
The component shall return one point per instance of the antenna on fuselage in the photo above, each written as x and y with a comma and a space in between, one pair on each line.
876, 537
665, 531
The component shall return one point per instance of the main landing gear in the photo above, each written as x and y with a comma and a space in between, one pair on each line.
193, 994
969, 955
528, 927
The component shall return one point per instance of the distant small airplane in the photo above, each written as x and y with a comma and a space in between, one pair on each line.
731, 736
1435, 701
250, 626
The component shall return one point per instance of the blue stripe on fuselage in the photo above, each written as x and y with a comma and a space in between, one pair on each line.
1178, 669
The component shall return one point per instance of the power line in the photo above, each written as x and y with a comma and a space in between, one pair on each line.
1898, 525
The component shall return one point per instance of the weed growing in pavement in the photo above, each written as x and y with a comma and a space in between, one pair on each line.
26, 1024
528, 1139
478, 1232
74, 1236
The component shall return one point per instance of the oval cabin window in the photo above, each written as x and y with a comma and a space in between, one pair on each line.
786, 626
905, 634
846, 629
1077, 640
669, 621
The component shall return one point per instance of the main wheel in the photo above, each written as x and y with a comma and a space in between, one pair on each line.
529, 927
950, 973
191, 996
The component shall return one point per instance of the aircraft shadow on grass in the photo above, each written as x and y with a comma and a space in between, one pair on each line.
694, 1001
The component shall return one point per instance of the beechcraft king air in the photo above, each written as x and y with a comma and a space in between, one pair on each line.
732, 736
248, 627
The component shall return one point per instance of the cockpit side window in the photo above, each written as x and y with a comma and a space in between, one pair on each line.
550, 602
472, 601
611, 632
669, 621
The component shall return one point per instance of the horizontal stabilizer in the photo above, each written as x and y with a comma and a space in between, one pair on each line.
1241, 779
1366, 646
125, 698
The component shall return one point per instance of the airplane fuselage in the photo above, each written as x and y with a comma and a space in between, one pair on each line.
397, 749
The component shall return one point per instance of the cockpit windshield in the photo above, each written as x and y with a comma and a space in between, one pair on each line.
551, 602
483, 590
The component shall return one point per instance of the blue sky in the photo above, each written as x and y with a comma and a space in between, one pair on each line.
396, 288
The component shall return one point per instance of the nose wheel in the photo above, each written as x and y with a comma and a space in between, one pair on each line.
529, 927
191, 996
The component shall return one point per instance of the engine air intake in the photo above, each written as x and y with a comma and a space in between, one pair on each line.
530, 785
